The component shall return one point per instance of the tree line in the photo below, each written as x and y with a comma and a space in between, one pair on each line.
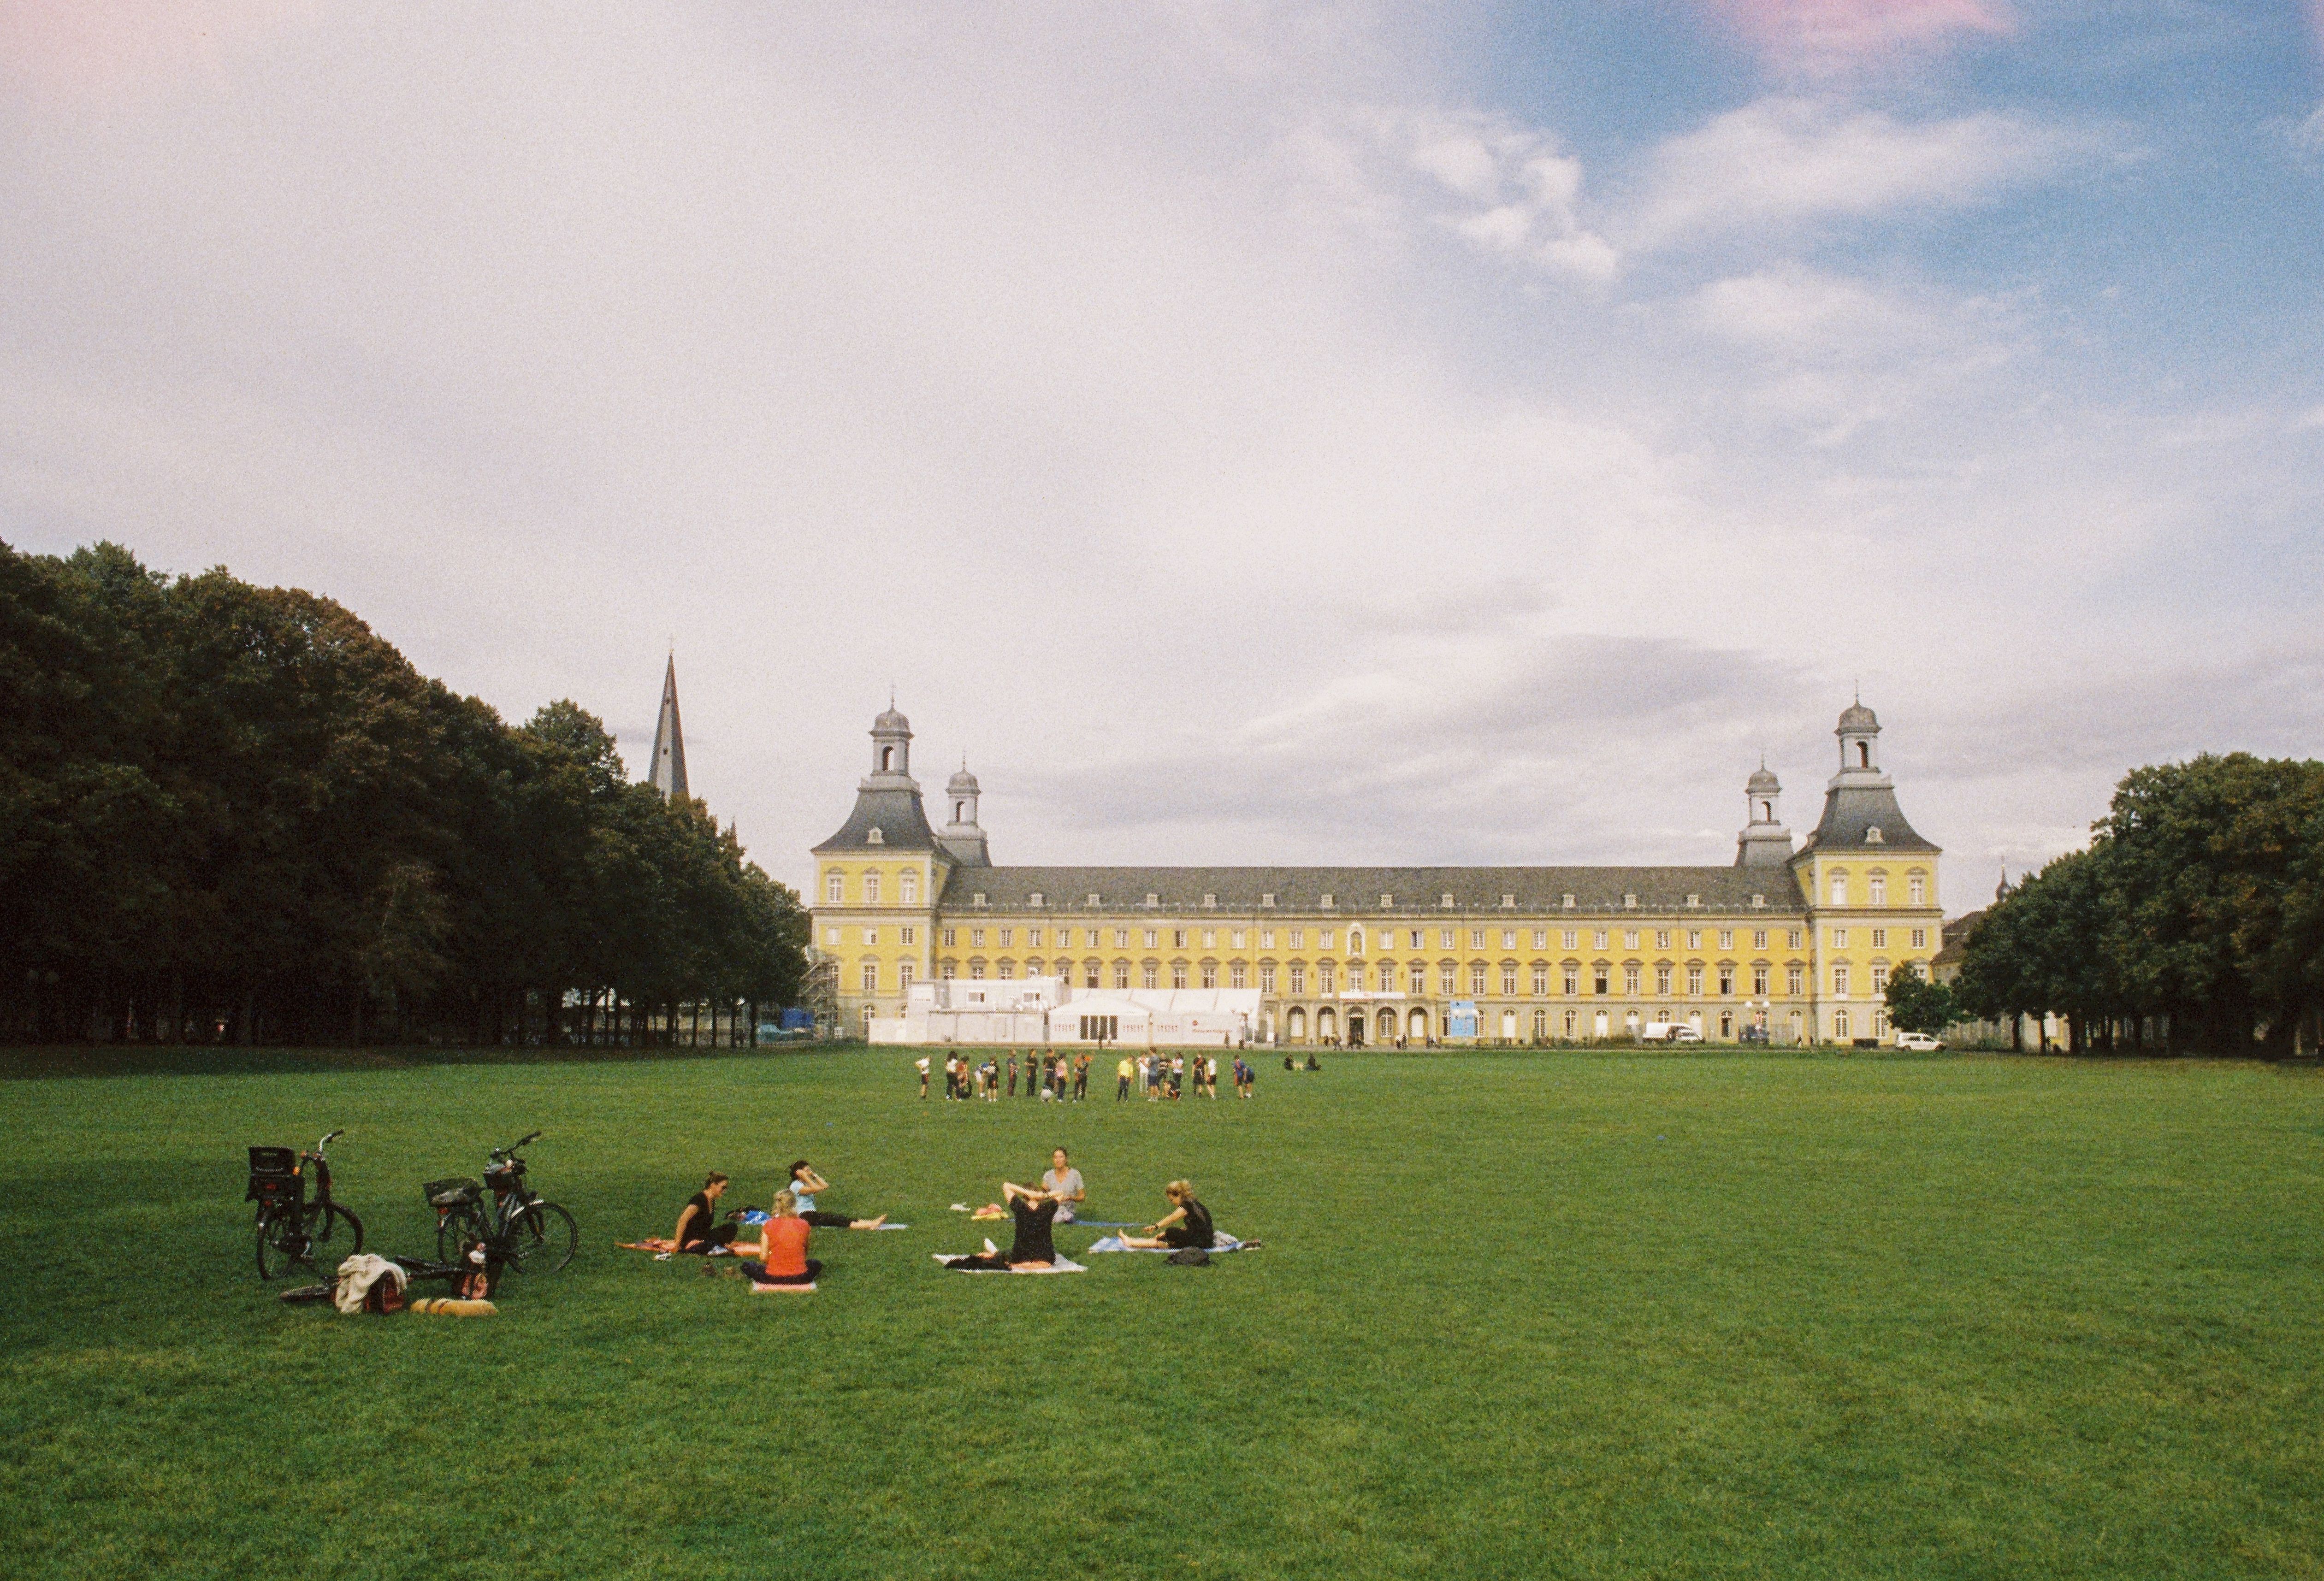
234, 813
2193, 923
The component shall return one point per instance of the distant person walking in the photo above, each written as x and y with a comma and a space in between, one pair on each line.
1081, 1078
923, 1066
1012, 1073
1123, 1074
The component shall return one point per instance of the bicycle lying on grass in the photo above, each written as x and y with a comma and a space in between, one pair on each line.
518, 1229
290, 1228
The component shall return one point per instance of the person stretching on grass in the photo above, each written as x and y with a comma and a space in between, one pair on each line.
698, 1228
1187, 1224
805, 1185
784, 1247
1035, 1212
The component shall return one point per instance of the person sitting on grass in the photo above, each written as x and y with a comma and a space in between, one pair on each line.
1035, 1213
698, 1231
784, 1247
1187, 1224
1062, 1182
805, 1185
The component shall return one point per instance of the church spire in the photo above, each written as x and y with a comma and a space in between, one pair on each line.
668, 774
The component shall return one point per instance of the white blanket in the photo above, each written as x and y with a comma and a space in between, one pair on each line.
1220, 1242
357, 1275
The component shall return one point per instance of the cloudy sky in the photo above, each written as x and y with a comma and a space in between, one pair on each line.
1251, 432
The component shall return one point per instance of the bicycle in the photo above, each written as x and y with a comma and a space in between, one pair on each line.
289, 1228
520, 1229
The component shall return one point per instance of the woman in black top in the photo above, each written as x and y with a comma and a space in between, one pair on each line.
1187, 1224
1035, 1213
697, 1227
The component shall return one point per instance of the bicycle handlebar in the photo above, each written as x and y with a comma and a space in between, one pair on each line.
511, 1147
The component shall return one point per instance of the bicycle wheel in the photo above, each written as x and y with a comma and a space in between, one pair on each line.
543, 1240
332, 1228
456, 1232
281, 1243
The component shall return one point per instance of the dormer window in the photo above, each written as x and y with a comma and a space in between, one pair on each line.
1327, 900
1757, 901
1034, 898
1093, 900
977, 898
1629, 902
875, 837
1267, 898
1446, 903
1152, 900
1387, 902
1694, 900
1209, 903
1872, 835
1569, 903
1508, 901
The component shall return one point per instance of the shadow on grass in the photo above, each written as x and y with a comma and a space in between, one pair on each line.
48, 1061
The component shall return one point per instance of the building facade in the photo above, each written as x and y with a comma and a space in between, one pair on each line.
1793, 944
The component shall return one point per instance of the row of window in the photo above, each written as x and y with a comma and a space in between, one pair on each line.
1875, 883
872, 886
908, 887
910, 934
1448, 979
1415, 1024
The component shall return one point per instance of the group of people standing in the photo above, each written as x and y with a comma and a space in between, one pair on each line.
1166, 1075
1050, 1077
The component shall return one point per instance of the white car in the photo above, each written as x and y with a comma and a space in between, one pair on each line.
1919, 1043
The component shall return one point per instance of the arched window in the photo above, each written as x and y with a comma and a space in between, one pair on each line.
886, 759
1767, 812
1864, 754
960, 812
1355, 941
1327, 1024
1295, 1026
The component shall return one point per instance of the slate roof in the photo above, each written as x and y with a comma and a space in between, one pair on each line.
896, 814
1356, 892
1849, 810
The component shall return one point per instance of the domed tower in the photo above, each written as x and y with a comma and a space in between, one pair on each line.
1859, 806
888, 811
963, 838
1764, 843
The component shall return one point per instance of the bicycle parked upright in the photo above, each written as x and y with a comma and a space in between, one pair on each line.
290, 1228
518, 1229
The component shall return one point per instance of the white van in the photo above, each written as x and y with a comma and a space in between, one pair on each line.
1919, 1043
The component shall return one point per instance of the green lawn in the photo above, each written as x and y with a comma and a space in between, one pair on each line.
1520, 1315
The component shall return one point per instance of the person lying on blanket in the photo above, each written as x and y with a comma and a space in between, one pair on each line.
1187, 1224
806, 1184
1035, 1212
786, 1261
698, 1228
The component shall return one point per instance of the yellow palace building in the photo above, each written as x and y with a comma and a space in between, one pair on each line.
1793, 945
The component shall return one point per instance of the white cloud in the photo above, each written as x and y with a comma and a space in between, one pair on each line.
1786, 160
1512, 195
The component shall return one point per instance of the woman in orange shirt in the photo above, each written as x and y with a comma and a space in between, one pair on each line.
784, 1244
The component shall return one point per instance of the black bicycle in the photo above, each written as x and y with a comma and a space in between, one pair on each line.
517, 1229
291, 1229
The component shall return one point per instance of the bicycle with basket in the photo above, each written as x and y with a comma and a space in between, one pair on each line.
518, 1229
289, 1229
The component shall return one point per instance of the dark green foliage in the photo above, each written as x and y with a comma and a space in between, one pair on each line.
2196, 917
1915, 1004
233, 811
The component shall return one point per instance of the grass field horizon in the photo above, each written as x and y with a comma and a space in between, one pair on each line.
1521, 1314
